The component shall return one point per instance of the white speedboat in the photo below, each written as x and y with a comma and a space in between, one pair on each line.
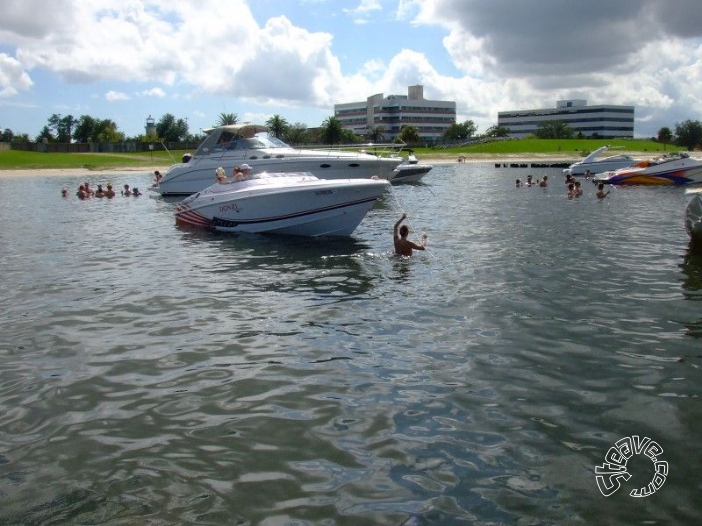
411, 170
673, 169
282, 203
594, 165
693, 214
236, 144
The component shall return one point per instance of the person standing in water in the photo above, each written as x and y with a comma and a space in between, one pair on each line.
404, 246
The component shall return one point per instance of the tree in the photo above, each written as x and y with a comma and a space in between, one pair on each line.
170, 129
277, 126
45, 133
688, 134
409, 134
85, 129
7, 135
62, 127
108, 132
297, 134
665, 136
554, 130
460, 132
497, 131
331, 131
376, 134
227, 118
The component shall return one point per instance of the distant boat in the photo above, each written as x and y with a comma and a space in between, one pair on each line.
594, 165
693, 214
297, 204
233, 145
672, 169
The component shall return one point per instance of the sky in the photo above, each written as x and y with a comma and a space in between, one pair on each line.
127, 60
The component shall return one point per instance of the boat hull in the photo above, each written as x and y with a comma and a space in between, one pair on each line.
196, 175
302, 208
676, 172
410, 173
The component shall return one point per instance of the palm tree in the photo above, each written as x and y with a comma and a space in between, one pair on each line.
332, 131
277, 125
665, 136
409, 134
376, 134
227, 118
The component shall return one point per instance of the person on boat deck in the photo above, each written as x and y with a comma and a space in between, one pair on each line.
221, 175
237, 174
601, 194
126, 190
246, 171
404, 246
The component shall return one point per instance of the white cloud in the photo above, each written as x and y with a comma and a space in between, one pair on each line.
153, 92
364, 11
13, 77
113, 96
503, 54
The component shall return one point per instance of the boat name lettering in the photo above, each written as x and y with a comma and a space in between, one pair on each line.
231, 206
324, 192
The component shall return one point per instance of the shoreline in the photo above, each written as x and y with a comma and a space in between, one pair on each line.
436, 159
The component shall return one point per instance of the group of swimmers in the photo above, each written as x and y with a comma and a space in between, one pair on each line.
574, 188
85, 192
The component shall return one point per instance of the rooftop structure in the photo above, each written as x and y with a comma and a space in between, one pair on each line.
430, 117
605, 121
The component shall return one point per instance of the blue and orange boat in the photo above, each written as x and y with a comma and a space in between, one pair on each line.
672, 169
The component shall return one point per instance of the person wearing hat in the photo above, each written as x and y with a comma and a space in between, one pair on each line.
246, 170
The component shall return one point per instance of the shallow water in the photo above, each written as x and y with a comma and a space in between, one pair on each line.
152, 375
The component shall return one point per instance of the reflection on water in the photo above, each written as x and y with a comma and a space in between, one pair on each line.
163, 375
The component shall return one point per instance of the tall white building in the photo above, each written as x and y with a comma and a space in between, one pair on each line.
605, 121
430, 117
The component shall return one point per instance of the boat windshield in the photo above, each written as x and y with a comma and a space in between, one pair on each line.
225, 141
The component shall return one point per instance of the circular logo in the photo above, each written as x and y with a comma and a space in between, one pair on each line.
614, 469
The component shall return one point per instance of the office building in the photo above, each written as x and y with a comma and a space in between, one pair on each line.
605, 121
430, 117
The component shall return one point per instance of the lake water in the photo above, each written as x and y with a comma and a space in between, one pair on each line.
152, 375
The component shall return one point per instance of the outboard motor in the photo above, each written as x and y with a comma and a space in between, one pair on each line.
186, 158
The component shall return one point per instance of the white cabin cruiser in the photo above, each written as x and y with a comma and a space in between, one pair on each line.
282, 203
594, 165
233, 145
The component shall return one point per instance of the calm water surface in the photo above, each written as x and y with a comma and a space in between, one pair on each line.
151, 375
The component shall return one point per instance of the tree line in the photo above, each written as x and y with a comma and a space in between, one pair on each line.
84, 129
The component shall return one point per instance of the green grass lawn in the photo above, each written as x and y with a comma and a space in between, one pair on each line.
569, 148
21, 160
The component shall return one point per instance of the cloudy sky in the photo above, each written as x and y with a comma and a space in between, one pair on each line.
128, 59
